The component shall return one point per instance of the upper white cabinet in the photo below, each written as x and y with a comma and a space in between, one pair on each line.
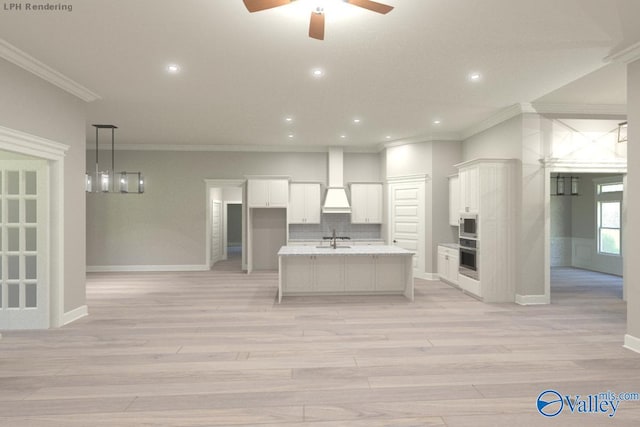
469, 189
366, 203
268, 193
304, 204
454, 200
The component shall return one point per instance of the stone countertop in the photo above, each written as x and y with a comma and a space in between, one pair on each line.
343, 249
450, 245
342, 241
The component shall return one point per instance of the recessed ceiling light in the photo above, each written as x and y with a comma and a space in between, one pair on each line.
173, 68
388, 137
474, 77
290, 135
343, 136
437, 121
317, 72
356, 120
288, 119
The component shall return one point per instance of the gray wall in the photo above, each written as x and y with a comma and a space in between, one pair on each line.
31, 105
166, 224
632, 242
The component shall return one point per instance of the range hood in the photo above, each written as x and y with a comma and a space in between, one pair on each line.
336, 201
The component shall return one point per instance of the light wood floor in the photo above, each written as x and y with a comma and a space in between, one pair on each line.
213, 348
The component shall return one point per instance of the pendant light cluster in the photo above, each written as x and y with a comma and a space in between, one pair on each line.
561, 185
105, 181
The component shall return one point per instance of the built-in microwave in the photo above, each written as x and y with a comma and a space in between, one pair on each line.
469, 225
469, 259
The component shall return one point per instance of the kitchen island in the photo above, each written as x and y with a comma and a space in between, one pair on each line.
345, 270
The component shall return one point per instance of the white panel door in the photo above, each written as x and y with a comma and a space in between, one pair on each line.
24, 240
407, 219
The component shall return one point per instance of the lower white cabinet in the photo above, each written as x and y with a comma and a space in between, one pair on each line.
448, 263
350, 274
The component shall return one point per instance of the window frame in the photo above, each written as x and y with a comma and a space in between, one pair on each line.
608, 197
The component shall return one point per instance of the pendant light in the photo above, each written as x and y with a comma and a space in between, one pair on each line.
105, 181
622, 131
574, 185
559, 185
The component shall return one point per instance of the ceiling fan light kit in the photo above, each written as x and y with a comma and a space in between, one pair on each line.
316, 23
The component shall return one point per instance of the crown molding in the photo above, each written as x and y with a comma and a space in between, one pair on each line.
232, 148
32, 145
497, 118
626, 55
445, 137
582, 109
31, 64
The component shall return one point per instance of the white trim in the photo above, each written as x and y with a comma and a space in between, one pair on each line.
433, 277
626, 55
445, 137
497, 118
40, 69
632, 343
582, 109
408, 178
234, 148
560, 165
133, 268
75, 314
32, 145
532, 299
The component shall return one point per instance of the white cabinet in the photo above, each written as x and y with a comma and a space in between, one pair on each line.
268, 193
345, 274
454, 200
304, 204
448, 262
366, 203
469, 189
489, 188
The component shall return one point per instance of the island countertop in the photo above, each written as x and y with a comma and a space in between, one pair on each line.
342, 250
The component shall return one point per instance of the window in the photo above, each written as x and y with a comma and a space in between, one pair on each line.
609, 206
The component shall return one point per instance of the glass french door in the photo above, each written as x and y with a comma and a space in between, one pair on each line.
24, 289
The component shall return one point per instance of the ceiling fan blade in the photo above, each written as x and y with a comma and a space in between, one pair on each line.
316, 26
258, 5
372, 5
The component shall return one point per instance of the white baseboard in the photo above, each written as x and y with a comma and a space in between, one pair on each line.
75, 314
132, 268
428, 276
632, 343
532, 299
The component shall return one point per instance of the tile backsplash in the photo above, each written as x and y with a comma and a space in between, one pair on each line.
341, 223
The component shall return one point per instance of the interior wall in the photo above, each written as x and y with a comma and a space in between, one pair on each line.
632, 241
234, 225
560, 231
166, 224
269, 235
503, 141
445, 154
31, 105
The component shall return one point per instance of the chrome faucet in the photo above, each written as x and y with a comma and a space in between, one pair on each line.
334, 240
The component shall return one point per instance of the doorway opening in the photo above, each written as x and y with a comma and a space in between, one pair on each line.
586, 234
225, 225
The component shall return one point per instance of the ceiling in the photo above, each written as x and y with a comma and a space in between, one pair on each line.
243, 73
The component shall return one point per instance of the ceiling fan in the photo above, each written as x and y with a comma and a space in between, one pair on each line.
316, 25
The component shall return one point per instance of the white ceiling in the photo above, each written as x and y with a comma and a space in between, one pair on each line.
243, 73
